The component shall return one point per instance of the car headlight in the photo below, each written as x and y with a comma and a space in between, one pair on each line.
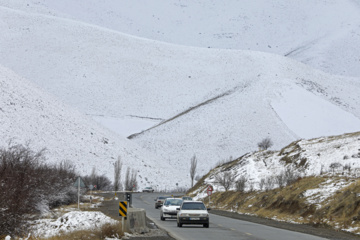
204, 215
184, 215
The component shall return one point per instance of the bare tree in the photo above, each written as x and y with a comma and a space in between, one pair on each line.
280, 179
265, 143
193, 164
225, 179
335, 165
240, 184
117, 174
269, 183
347, 167
130, 180
262, 184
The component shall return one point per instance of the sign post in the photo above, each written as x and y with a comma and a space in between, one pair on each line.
209, 191
123, 213
79, 183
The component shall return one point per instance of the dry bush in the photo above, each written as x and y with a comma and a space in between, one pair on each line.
240, 184
225, 179
28, 185
265, 144
106, 231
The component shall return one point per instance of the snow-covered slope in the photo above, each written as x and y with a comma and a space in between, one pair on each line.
327, 155
214, 103
322, 33
28, 114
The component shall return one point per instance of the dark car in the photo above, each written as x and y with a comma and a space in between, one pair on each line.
193, 212
148, 189
159, 201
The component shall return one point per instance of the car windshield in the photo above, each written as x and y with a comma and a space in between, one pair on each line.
173, 202
193, 206
161, 197
187, 198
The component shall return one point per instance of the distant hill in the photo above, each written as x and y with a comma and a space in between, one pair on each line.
214, 103
29, 115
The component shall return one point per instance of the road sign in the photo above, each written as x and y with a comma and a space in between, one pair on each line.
209, 190
79, 183
123, 209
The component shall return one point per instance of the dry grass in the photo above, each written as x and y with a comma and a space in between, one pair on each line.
342, 210
107, 230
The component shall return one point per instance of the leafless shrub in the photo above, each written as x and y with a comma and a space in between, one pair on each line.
290, 176
347, 167
251, 186
27, 185
280, 179
130, 180
193, 164
240, 184
225, 179
101, 182
346, 157
265, 144
269, 183
335, 165
262, 184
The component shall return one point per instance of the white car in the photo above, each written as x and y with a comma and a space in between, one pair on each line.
193, 212
168, 209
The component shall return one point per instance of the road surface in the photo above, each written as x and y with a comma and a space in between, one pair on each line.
220, 227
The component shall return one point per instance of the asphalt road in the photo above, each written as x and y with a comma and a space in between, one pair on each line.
220, 227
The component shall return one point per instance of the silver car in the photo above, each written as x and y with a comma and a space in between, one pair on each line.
168, 209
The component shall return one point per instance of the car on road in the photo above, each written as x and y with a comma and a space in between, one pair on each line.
168, 209
193, 212
159, 201
187, 198
148, 189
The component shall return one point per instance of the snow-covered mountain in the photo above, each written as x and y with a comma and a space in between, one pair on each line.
29, 115
214, 102
322, 33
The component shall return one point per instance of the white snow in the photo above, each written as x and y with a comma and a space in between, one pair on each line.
310, 116
233, 94
71, 221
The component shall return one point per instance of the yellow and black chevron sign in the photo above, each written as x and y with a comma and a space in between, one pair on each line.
123, 209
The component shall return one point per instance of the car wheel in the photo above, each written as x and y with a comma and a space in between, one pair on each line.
179, 224
162, 218
206, 225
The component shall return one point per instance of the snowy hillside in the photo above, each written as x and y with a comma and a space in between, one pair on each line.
214, 103
321, 33
326, 155
29, 114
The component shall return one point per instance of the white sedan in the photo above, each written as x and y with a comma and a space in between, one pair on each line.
193, 212
168, 209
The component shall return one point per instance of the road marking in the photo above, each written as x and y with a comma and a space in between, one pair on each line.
233, 229
249, 234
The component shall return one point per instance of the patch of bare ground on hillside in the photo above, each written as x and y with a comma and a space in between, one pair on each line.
294, 210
